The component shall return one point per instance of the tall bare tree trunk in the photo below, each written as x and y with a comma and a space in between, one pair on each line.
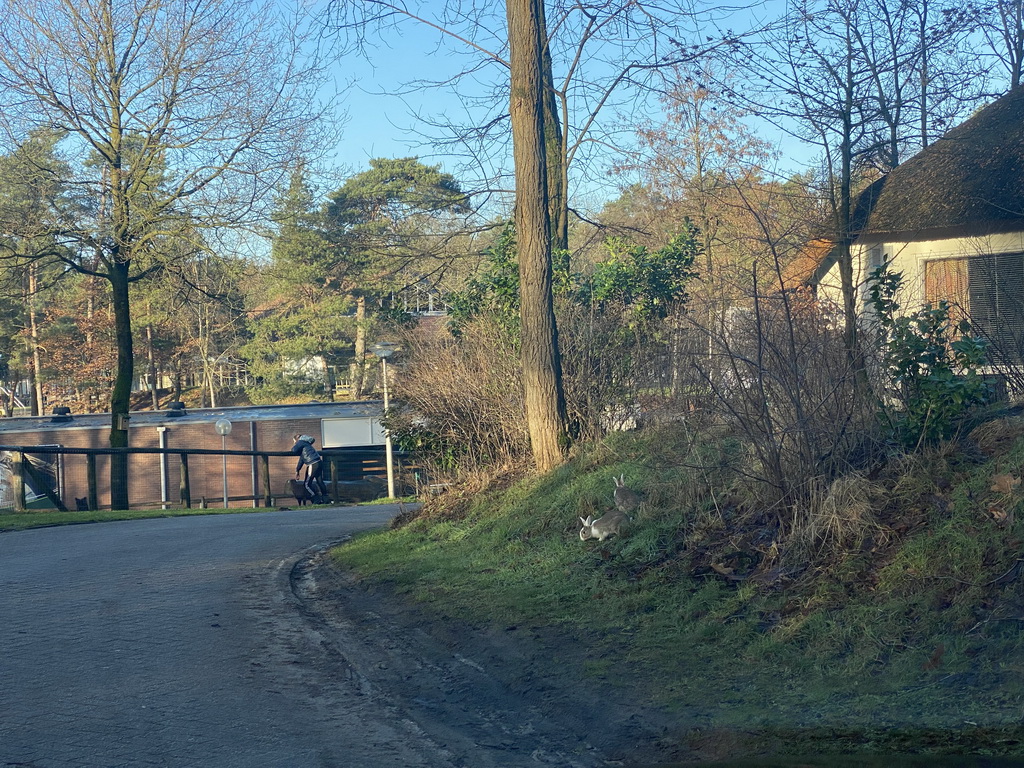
555, 146
90, 306
359, 367
204, 336
211, 388
843, 226
33, 329
151, 358
542, 369
9, 396
120, 394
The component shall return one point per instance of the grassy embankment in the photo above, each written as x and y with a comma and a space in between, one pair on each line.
889, 620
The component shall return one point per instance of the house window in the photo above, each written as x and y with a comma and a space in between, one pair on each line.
989, 292
875, 258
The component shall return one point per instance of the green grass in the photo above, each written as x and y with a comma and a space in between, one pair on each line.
21, 521
48, 518
911, 637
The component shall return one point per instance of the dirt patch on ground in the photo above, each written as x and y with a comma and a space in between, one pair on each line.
482, 697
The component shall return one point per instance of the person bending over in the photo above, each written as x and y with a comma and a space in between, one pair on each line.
313, 462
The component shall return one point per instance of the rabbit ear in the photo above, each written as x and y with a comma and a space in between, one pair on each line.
584, 521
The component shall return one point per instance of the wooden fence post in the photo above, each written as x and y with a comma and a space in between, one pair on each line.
18, 480
90, 481
185, 488
334, 479
268, 497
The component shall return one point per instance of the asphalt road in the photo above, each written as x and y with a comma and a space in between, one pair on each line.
178, 642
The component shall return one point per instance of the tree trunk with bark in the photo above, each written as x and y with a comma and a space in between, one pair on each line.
153, 373
120, 394
359, 355
542, 371
555, 147
33, 326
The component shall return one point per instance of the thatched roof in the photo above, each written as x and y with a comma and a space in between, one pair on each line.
970, 181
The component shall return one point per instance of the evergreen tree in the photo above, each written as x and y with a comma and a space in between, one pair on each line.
302, 325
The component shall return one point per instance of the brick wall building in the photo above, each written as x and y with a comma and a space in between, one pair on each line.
353, 429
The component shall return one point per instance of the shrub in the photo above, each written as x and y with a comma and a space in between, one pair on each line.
932, 366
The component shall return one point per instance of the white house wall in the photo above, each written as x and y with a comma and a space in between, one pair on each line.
910, 257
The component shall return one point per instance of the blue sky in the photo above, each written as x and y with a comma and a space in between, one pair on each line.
381, 120
377, 124
380, 117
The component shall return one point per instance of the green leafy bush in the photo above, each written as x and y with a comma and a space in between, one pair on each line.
616, 329
932, 364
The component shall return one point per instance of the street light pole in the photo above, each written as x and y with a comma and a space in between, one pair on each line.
388, 454
384, 350
223, 427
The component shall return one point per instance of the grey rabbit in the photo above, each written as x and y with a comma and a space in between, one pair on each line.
625, 499
605, 526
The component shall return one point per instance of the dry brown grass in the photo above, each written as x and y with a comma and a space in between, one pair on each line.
463, 395
457, 499
837, 517
997, 437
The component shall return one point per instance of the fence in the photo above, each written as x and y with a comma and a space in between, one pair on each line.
350, 475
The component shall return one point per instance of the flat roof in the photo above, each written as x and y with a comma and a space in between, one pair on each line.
360, 409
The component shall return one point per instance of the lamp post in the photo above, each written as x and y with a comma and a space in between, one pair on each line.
223, 427
384, 350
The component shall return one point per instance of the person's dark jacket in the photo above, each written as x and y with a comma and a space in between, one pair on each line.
308, 455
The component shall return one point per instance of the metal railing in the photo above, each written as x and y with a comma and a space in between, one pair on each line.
24, 474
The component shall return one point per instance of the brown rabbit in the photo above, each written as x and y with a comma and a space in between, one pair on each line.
625, 500
605, 526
